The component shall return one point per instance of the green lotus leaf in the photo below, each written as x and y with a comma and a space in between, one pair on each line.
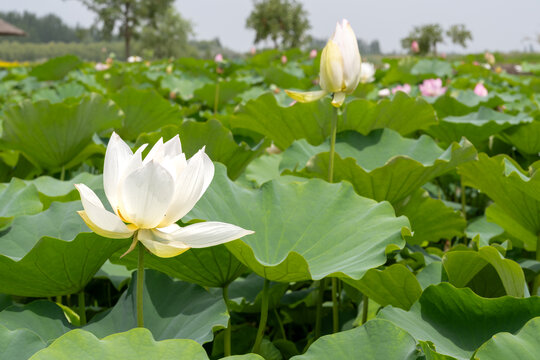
51, 253
477, 127
526, 137
184, 86
44, 318
457, 321
515, 195
59, 93
172, 310
117, 274
218, 140
145, 111
482, 231
381, 165
56, 68
213, 266
286, 79
18, 344
228, 91
53, 136
135, 344
17, 199
431, 220
292, 239
395, 286
435, 67
485, 271
377, 340
402, 114
525, 345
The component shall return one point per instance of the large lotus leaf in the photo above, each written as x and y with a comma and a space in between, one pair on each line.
18, 199
245, 294
136, 344
226, 92
395, 286
470, 99
485, 271
309, 121
402, 114
59, 93
381, 165
44, 318
457, 321
292, 239
117, 274
435, 67
477, 127
285, 79
516, 198
213, 266
482, 231
526, 137
172, 310
263, 169
218, 142
375, 340
54, 135
184, 86
431, 220
18, 344
51, 189
51, 253
525, 345
57, 68
144, 110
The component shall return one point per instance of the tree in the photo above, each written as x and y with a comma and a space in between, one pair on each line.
41, 29
459, 34
427, 36
126, 16
279, 19
168, 36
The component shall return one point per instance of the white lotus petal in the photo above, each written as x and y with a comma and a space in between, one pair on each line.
160, 247
173, 147
189, 187
331, 70
156, 153
145, 195
116, 157
101, 221
308, 96
351, 57
203, 234
338, 99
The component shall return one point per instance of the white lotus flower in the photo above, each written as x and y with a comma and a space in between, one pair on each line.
367, 72
340, 67
149, 196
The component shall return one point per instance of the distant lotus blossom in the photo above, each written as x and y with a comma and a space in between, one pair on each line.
490, 58
475, 63
218, 58
415, 47
518, 68
134, 59
101, 66
169, 69
283, 59
313, 54
405, 88
367, 72
384, 92
443, 55
432, 87
109, 61
253, 50
480, 90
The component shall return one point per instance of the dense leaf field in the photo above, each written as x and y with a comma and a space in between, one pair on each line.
425, 246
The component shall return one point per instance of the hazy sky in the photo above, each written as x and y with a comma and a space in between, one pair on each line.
496, 24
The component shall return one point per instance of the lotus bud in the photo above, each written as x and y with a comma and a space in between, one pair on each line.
313, 54
218, 58
480, 90
415, 48
283, 59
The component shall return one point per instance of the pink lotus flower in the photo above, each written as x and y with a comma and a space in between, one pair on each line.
480, 90
101, 66
432, 87
218, 58
405, 88
283, 59
313, 54
384, 92
415, 47
253, 50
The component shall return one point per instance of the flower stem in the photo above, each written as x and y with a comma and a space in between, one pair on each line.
318, 314
335, 306
333, 132
264, 317
280, 323
227, 333
63, 173
140, 285
365, 303
463, 200
82, 308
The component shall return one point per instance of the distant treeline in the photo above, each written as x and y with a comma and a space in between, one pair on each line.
47, 28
